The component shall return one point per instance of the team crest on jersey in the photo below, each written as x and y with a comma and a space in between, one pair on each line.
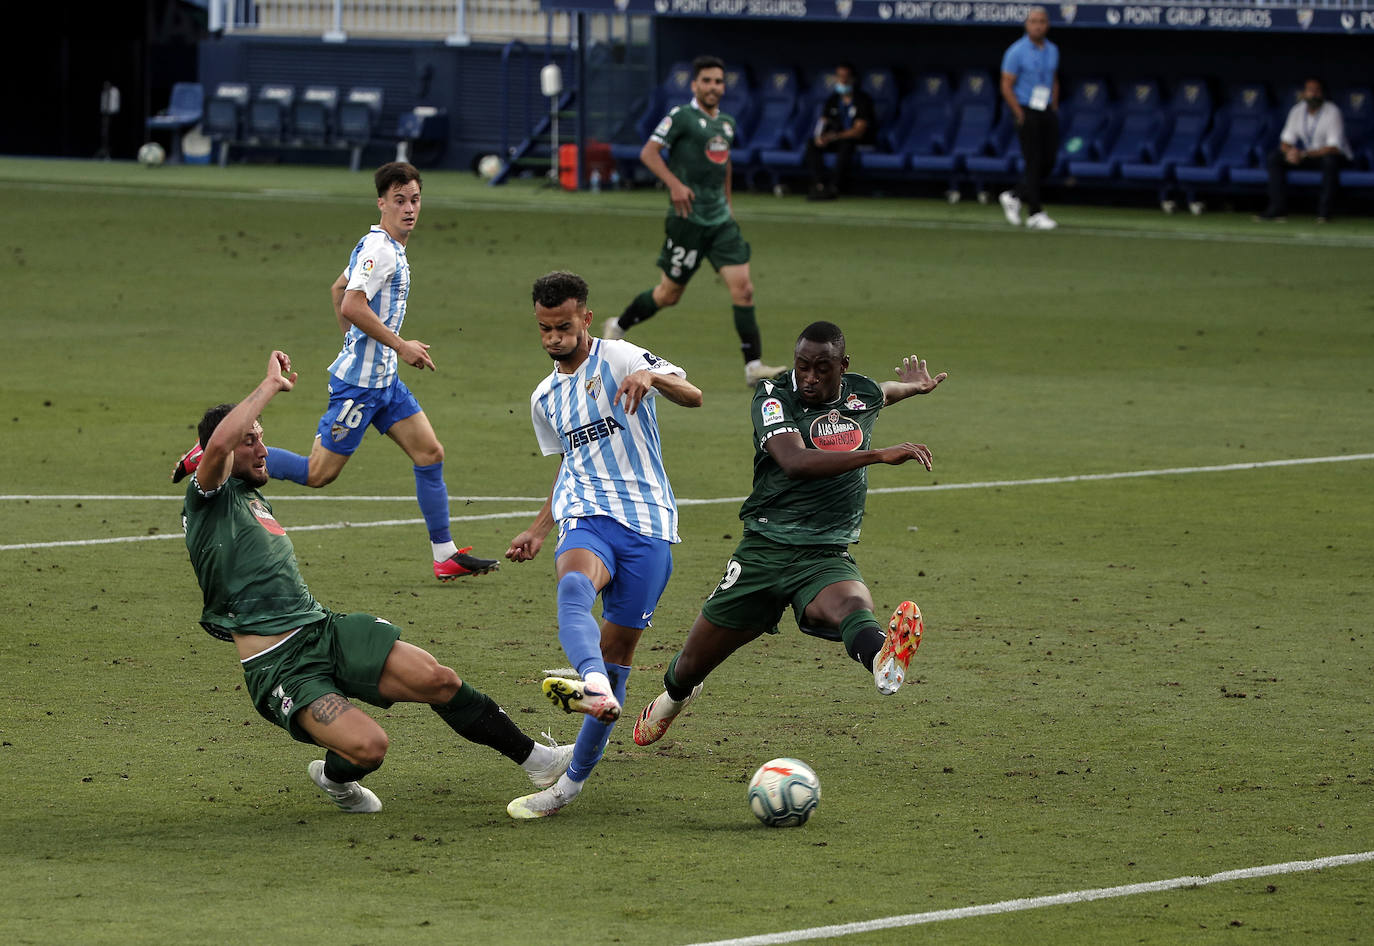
852, 403
593, 387
265, 518
729, 131
834, 431
337, 431
772, 412
718, 149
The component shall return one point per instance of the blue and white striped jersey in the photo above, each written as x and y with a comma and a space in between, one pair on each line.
378, 268
612, 461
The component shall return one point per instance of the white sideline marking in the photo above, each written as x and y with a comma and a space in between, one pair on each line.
938, 487
1035, 903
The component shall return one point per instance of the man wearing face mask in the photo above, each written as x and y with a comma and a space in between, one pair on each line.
846, 121
1313, 137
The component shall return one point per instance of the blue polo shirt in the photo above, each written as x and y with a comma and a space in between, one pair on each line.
1031, 65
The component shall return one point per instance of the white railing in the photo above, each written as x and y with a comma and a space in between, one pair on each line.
456, 22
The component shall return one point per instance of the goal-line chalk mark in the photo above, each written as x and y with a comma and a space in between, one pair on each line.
937, 487
1035, 903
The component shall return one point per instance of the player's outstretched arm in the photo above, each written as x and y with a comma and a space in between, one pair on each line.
637, 385
912, 378
799, 463
218, 458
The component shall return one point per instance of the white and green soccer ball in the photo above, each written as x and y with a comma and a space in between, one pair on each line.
784, 792
151, 154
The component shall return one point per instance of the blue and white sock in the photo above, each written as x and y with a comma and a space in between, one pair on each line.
591, 738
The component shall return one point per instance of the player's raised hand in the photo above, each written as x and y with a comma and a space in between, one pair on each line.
415, 354
279, 371
896, 456
913, 372
524, 546
634, 389
682, 196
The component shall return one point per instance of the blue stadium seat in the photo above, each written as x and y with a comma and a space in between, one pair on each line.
359, 115
975, 107
313, 115
184, 111
269, 114
1133, 134
740, 102
1084, 118
881, 86
1238, 135
1001, 161
675, 89
1188, 116
224, 116
921, 126
1357, 111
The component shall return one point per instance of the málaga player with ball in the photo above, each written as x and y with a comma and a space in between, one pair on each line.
812, 429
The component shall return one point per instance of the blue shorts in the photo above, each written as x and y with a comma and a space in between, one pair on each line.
352, 409
639, 566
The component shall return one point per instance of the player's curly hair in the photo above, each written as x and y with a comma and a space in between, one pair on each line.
823, 333
553, 289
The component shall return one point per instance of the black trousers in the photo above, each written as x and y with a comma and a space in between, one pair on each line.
1330, 166
843, 150
1039, 134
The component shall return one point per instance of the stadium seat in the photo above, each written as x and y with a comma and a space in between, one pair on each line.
1001, 161
675, 89
1187, 118
1357, 111
778, 98
224, 116
881, 86
313, 115
740, 102
183, 112
269, 114
359, 115
1133, 133
1238, 134
921, 126
1084, 119
974, 106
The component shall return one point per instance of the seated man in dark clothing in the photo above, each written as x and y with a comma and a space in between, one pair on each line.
846, 122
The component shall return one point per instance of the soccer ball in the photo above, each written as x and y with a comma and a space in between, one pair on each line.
151, 154
488, 167
783, 793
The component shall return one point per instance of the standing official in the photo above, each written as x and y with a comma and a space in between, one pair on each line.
1030, 87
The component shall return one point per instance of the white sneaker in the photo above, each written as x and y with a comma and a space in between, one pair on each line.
546, 775
611, 328
349, 796
1011, 206
757, 371
659, 715
1040, 221
539, 805
575, 696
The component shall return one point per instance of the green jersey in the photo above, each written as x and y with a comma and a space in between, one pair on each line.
244, 562
826, 511
699, 154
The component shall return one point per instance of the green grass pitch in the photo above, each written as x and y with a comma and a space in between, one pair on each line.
1124, 679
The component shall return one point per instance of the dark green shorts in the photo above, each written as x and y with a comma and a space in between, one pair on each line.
344, 653
687, 244
764, 577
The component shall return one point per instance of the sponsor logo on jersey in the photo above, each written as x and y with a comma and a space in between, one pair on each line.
852, 403
264, 517
593, 387
664, 125
367, 265
718, 149
772, 412
834, 431
653, 360
596, 430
